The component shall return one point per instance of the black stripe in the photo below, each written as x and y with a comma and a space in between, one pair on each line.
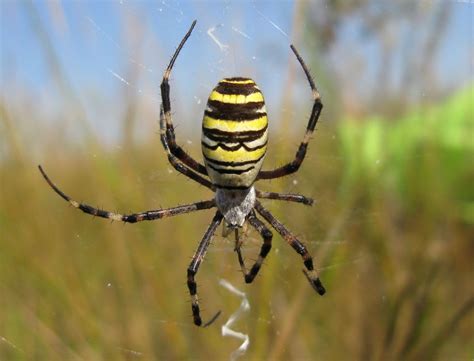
233, 137
238, 78
238, 89
237, 117
234, 164
234, 108
232, 148
231, 171
230, 187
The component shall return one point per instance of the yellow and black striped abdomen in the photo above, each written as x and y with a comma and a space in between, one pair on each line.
234, 133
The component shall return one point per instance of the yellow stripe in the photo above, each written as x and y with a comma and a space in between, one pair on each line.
236, 98
235, 126
240, 155
248, 81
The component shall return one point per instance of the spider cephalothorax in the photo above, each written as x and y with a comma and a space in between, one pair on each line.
234, 143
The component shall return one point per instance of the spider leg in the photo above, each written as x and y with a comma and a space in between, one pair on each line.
194, 267
168, 137
134, 217
267, 235
174, 161
298, 198
299, 247
294, 165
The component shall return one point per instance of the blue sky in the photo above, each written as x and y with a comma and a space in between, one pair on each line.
89, 38
98, 44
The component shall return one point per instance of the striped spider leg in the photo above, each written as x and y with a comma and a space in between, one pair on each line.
266, 235
287, 197
168, 137
295, 164
194, 266
152, 215
133, 217
298, 246
175, 161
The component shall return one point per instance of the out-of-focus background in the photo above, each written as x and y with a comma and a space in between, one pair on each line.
390, 166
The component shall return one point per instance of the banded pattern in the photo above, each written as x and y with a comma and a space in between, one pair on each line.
234, 133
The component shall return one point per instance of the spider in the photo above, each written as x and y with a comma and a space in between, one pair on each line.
234, 141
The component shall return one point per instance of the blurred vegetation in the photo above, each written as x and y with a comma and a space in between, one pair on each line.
391, 233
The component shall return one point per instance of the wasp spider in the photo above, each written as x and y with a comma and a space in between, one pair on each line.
234, 142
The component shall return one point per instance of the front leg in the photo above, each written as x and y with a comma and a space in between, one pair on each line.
295, 164
168, 137
174, 161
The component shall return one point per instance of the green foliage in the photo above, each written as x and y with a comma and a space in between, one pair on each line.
431, 148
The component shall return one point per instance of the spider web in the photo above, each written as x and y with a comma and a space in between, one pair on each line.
222, 37
222, 40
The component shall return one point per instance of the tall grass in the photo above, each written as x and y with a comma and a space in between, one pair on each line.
391, 233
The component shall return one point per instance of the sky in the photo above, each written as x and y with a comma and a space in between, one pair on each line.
88, 37
98, 44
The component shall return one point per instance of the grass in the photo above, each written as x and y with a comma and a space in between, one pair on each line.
391, 232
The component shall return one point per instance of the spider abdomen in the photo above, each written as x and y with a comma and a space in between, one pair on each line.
234, 133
